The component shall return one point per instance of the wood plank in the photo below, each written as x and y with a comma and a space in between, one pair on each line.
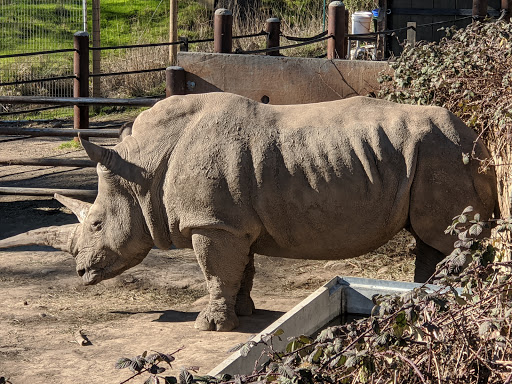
423, 30
47, 192
382, 25
50, 162
16, 131
399, 21
464, 4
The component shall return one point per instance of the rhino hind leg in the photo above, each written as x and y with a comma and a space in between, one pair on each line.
244, 305
427, 259
223, 258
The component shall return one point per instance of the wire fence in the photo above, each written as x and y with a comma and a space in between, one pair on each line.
24, 29
28, 67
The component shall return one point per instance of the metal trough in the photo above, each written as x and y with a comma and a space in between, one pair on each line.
340, 296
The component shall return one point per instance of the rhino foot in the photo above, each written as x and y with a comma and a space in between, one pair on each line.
215, 320
244, 305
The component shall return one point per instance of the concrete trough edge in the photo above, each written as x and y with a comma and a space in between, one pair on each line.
341, 295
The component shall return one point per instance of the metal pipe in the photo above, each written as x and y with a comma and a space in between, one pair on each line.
135, 102
16, 131
50, 162
47, 192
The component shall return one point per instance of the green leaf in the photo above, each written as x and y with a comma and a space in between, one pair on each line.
286, 371
186, 377
476, 229
123, 362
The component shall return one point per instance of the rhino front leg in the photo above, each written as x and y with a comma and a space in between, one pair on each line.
223, 258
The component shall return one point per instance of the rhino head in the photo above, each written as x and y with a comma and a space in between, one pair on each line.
112, 235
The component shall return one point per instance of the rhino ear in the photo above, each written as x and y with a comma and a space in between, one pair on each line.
79, 208
111, 160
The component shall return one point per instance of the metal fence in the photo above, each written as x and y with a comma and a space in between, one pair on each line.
25, 27
40, 25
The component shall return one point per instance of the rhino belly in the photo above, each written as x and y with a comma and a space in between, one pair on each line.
334, 221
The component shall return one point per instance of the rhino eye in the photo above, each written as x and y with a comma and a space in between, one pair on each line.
96, 225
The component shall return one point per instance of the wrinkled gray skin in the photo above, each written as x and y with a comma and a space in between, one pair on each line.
230, 177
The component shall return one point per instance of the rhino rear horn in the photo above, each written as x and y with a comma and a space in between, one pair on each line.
111, 160
61, 237
79, 208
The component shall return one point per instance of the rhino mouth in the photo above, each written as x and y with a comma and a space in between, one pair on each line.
90, 276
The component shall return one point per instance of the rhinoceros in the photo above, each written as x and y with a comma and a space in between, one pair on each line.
231, 177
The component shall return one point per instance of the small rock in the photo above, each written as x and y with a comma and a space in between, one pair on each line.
25, 302
43, 315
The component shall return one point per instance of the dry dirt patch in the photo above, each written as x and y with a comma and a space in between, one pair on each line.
150, 307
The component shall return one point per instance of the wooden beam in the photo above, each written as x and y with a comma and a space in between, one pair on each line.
17, 131
135, 102
75, 163
47, 192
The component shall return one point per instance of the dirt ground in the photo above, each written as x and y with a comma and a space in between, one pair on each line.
150, 307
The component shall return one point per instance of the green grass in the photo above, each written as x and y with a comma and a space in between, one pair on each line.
72, 144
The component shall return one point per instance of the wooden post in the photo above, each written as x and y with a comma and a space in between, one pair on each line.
81, 81
382, 25
173, 31
411, 33
336, 28
479, 9
273, 29
175, 81
222, 31
96, 55
506, 9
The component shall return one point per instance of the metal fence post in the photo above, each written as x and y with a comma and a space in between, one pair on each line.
506, 9
183, 43
273, 29
81, 81
346, 41
336, 28
174, 81
222, 31
479, 9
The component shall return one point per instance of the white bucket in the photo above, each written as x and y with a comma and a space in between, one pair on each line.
361, 22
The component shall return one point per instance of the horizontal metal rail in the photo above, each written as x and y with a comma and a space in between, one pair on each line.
47, 191
135, 102
37, 53
61, 132
73, 163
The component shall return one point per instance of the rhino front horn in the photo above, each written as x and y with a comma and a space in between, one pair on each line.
57, 237
79, 208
